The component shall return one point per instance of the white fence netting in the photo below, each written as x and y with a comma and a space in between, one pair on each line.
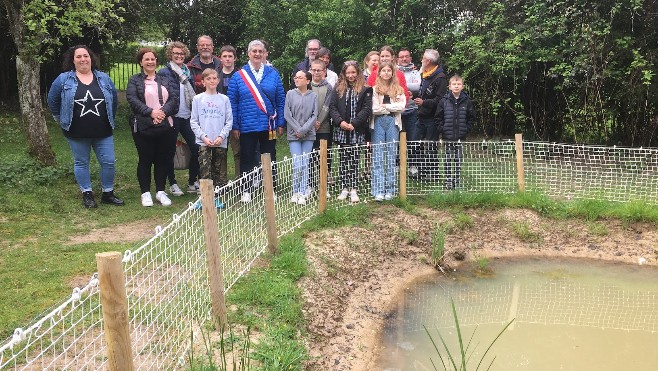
167, 280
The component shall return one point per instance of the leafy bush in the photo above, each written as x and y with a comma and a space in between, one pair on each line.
16, 170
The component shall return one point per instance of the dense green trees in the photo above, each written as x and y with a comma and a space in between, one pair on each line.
558, 70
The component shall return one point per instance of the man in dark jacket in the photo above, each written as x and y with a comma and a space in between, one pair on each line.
205, 59
433, 86
312, 47
455, 116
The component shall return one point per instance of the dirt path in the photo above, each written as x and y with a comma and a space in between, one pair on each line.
357, 271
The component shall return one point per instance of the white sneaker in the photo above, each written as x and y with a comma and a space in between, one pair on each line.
175, 190
343, 194
328, 195
162, 197
379, 197
388, 196
301, 200
353, 196
308, 192
246, 197
147, 200
295, 198
193, 188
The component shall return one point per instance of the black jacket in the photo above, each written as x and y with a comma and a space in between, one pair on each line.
338, 110
455, 116
431, 90
135, 95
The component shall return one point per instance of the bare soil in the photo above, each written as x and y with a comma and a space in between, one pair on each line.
129, 232
357, 271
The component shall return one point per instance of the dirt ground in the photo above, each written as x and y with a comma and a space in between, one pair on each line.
357, 271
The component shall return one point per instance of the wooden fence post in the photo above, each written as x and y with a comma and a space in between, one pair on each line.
518, 139
114, 304
322, 189
270, 211
213, 252
403, 165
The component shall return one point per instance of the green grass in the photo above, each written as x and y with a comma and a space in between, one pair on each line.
635, 211
463, 221
523, 232
269, 301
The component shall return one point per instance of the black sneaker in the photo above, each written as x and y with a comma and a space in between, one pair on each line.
88, 200
110, 198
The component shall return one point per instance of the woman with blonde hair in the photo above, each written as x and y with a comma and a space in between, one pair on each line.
350, 109
388, 102
369, 63
180, 78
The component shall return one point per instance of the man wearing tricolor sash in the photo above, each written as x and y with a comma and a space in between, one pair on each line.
257, 100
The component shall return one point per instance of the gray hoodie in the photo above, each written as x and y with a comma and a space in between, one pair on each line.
301, 111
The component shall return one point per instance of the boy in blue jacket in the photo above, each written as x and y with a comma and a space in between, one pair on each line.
455, 116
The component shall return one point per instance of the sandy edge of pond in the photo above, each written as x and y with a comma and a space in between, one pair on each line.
356, 272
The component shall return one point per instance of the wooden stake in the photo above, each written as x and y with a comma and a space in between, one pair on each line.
270, 212
322, 189
403, 165
114, 304
518, 139
213, 252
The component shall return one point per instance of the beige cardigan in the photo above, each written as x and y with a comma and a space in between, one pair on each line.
396, 107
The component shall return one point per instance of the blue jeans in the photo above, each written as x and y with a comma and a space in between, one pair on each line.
104, 150
409, 123
301, 152
384, 151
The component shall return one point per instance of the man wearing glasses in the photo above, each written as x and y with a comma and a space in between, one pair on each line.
205, 59
312, 48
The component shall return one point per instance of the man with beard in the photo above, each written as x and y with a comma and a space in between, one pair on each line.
205, 59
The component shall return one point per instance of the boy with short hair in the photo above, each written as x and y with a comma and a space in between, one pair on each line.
455, 116
211, 121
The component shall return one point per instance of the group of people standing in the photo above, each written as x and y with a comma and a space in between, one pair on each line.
211, 103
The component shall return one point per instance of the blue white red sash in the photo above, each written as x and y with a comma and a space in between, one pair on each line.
258, 95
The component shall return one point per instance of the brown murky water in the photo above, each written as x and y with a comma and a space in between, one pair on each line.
568, 315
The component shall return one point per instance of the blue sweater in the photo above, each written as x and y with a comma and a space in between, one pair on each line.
247, 117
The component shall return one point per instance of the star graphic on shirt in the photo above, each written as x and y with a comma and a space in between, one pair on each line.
89, 104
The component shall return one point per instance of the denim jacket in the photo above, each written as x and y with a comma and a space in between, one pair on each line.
62, 95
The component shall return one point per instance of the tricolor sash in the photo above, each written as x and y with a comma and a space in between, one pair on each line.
259, 97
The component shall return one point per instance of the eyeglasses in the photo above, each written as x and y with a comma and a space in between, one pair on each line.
204, 45
299, 78
316, 71
179, 54
313, 49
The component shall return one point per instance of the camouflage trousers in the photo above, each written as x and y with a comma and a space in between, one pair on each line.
212, 165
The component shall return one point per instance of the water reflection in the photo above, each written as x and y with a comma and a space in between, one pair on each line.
569, 315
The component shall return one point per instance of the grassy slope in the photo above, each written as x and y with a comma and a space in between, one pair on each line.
41, 207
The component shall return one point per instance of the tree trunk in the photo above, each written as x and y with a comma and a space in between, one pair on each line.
29, 97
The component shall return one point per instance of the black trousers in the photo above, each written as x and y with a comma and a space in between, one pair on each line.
157, 153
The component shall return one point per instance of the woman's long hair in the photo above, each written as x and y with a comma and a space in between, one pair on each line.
392, 87
342, 85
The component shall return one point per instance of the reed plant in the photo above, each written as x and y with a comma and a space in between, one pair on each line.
460, 361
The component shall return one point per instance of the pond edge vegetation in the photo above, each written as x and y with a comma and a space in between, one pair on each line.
268, 301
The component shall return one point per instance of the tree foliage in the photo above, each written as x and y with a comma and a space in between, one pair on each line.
37, 28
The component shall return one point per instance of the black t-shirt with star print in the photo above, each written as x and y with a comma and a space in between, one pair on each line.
89, 113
